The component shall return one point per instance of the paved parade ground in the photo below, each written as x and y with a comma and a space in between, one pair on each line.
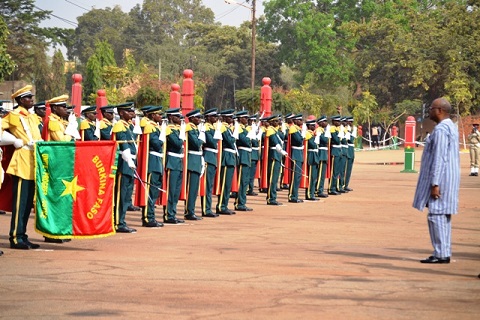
354, 256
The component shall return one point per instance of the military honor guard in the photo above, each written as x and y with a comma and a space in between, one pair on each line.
106, 124
41, 111
474, 145
20, 129
296, 158
255, 155
154, 155
57, 122
323, 146
88, 125
173, 165
335, 157
126, 139
351, 135
210, 154
274, 161
244, 147
196, 137
228, 161
313, 160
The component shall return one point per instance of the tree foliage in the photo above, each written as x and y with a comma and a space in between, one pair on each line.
7, 65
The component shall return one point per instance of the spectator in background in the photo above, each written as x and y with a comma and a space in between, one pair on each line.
375, 136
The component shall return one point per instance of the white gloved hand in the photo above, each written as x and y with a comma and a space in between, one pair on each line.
183, 129
251, 134
218, 133
97, 128
328, 133
341, 132
18, 143
259, 134
202, 137
7, 138
347, 135
128, 158
304, 130
236, 130
317, 139
163, 131
280, 150
72, 127
137, 129
284, 127
201, 127
354, 132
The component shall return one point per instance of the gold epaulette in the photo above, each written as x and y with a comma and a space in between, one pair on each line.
85, 124
270, 131
292, 129
119, 127
54, 124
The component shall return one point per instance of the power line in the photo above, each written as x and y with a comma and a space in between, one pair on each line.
60, 18
77, 5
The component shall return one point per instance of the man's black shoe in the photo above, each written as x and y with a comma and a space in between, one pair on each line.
263, 191
334, 193
342, 191
152, 224
1, 252
295, 201
274, 203
134, 208
19, 245
126, 230
285, 187
192, 217
252, 194
32, 245
3, 212
52, 240
210, 215
433, 259
322, 195
243, 209
227, 212
234, 195
348, 189
173, 221
311, 199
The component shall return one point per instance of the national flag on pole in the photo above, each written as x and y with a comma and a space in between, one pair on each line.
74, 188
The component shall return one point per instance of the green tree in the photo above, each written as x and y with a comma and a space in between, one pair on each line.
58, 81
7, 65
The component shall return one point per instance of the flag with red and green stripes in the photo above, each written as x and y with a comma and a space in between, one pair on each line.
74, 184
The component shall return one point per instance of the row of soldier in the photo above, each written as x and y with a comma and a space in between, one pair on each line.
215, 153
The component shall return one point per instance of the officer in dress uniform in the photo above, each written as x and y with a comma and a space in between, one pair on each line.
154, 167
275, 153
88, 125
106, 124
40, 110
343, 134
313, 160
244, 147
195, 140
350, 153
335, 157
210, 152
296, 140
123, 134
57, 120
322, 155
228, 162
474, 144
255, 155
20, 128
173, 165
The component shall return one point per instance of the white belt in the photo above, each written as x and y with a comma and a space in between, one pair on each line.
351, 145
245, 148
197, 153
335, 146
297, 148
323, 148
177, 155
211, 150
157, 154
312, 150
230, 150
27, 147
344, 145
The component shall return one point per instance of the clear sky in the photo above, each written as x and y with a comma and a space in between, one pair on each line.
225, 13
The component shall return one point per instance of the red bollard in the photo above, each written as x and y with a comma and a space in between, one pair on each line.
76, 98
188, 92
266, 98
409, 145
175, 96
100, 101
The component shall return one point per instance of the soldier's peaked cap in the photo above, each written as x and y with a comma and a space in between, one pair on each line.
309, 122
89, 109
145, 108
227, 113
173, 112
336, 118
275, 117
127, 106
23, 92
211, 112
40, 105
298, 117
289, 116
194, 113
322, 118
243, 113
108, 109
154, 109
59, 101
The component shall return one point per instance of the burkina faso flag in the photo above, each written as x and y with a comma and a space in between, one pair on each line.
74, 188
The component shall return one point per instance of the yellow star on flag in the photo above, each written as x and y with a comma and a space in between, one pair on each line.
71, 187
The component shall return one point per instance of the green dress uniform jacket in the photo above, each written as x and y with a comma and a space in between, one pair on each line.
244, 147
350, 160
274, 164
335, 162
105, 129
194, 167
323, 161
88, 130
210, 152
174, 166
313, 160
255, 157
296, 155
229, 161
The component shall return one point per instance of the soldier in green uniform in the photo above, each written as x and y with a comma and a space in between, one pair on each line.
40, 110
343, 159
255, 155
106, 124
296, 157
350, 153
123, 134
335, 157
88, 125
275, 153
195, 140
228, 163
210, 152
324, 142
244, 147
173, 165
313, 159
154, 167
20, 128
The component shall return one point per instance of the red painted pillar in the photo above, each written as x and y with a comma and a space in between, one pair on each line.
100, 101
76, 98
410, 132
266, 98
175, 96
188, 91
